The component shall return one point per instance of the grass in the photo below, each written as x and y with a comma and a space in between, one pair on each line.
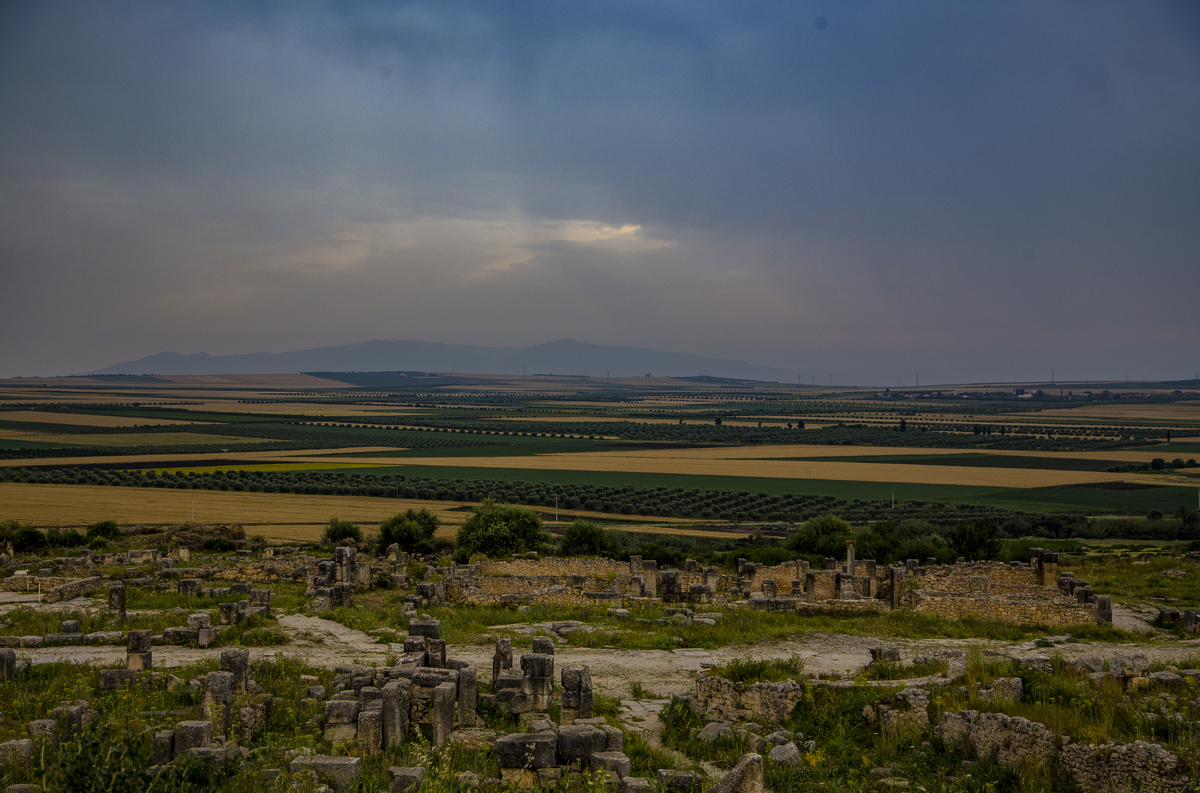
1157, 577
1165, 498
746, 670
482, 625
891, 670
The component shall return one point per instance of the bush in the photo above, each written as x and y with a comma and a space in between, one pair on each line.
497, 529
584, 538
105, 529
823, 536
58, 538
218, 545
338, 531
409, 530
27, 539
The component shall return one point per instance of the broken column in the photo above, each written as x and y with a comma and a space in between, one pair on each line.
468, 690
502, 659
116, 600
396, 700
138, 656
577, 694
218, 698
539, 674
442, 713
650, 578
237, 662
8, 665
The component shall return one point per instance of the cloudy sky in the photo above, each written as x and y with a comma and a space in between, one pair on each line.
971, 191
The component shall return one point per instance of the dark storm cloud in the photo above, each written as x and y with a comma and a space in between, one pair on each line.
966, 190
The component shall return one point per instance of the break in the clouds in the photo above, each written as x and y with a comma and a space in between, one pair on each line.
965, 190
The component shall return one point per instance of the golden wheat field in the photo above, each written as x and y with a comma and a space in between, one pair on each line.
281, 516
1176, 412
80, 419
678, 463
128, 439
150, 460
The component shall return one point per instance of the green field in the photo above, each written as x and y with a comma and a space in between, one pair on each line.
770, 485
1173, 449
974, 461
1091, 499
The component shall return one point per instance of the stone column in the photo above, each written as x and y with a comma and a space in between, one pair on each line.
138, 656
503, 657
442, 713
850, 557
237, 662
218, 697
396, 700
467, 693
116, 600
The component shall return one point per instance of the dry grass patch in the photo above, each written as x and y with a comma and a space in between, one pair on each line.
83, 420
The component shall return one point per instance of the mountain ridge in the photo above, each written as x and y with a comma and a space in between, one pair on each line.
565, 356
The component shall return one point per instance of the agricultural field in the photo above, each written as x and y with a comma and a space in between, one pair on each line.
978, 446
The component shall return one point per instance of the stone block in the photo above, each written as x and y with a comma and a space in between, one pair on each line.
396, 698
537, 665
468, 690
341, 773
199, 620
179, 635
341, 711
745, 777
218, 698
16, 752
543, 645
205, 637
8, 665
39, 729
69, 626
576, 678
615, 764
635, 784
113, 679
192, 735
442, 713
406, 780
162, 747
430, 629
139, 641
580, 741
139, 662
237, 661
228, 614
435, 653
527, 750
370, 731
679, 781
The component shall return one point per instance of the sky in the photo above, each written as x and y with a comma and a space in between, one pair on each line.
865, 191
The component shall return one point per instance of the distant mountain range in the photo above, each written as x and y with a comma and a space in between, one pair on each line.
564, 357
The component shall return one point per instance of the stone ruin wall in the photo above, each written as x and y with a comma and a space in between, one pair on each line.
1020, 609
1108, 768
562, 568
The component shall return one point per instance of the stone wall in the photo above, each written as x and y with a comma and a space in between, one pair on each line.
562, 568
1123, 768
719, 698
1013, 739
1136, 767
1041, 609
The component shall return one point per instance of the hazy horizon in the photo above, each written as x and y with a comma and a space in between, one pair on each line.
971, 192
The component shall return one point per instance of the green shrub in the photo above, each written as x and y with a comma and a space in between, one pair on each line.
68, 538
409, 530
218, 545
27, 539
338, 531
584, 538
105, 529
825, 535
499, 530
